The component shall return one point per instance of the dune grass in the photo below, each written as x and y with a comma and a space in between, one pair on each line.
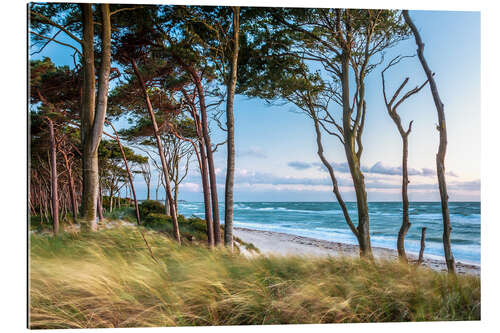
108, 279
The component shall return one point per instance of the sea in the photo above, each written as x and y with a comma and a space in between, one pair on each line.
325, 221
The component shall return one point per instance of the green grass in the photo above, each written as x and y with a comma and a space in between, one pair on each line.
108, 279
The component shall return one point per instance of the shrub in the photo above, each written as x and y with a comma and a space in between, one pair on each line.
151, 206
157, 220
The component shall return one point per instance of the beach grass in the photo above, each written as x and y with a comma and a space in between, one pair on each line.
109, 279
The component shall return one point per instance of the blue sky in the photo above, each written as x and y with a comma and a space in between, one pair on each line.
276, 151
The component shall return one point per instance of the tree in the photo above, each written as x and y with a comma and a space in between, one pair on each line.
231, 88
344, 42
391, 107
54, 101
443, 143
74, 21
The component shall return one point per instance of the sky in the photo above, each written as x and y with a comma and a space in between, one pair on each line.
276, 150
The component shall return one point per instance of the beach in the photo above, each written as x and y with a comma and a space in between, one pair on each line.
277, 243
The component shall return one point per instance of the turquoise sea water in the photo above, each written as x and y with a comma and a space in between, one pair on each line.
324, 220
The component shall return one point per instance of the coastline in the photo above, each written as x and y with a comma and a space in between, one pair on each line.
277, 243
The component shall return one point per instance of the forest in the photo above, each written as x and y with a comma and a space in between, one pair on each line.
149, 85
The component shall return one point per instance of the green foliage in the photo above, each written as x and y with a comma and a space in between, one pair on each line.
151, 206
192, 228
108, 279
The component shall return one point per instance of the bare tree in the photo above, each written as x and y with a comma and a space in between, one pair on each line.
443, 142
391, 107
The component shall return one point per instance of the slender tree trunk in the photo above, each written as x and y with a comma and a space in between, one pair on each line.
137, 214
71, 186
203, 165
167, 206
206, 195
443, 142
99, 203
405, 226
176, 231
231, 87
354, 163
422, 247
53, 178
210, 160
111, 195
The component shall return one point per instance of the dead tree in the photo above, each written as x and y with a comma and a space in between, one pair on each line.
392, 107
443, 142
422, 247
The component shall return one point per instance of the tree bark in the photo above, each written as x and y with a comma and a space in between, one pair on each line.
53, 178
422, 247
210, 160
405, 226
203, 171
93, 116
443, 142
231, 87
99, 203
160, 151
89, 159
354, 163
206, 195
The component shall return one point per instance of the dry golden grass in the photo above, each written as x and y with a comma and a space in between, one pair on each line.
108, 279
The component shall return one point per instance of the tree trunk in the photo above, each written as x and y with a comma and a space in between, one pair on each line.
405, 226
137, 214
443, 142
111, 196
167, 206
92, 116
160, 151
210, 160
71, 185
231, 87
422, 247
206, 195
89, 159
99, 204
354, 163
202, 161
53, 178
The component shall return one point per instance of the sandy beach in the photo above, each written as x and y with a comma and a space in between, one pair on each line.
277, 243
